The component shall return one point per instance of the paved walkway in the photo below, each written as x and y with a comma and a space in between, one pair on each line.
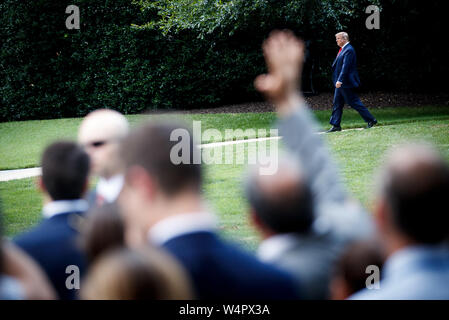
7, 175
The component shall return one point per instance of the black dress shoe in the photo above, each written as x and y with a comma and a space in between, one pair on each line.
371, 124
334, 129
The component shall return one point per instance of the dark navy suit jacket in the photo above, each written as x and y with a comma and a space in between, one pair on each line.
222, 271
344, 68
53, 245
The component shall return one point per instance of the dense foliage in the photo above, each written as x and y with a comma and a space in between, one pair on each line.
139, 55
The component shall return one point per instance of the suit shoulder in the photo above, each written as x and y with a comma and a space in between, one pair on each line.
32, 234
206, 255
46, 231
220, 252
253, 272
253, 265
350, 49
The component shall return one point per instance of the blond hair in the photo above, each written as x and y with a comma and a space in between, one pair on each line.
344, 35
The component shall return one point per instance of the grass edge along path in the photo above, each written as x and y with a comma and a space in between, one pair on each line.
22, 142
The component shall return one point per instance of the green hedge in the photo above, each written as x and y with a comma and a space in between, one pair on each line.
48, 71
135, 56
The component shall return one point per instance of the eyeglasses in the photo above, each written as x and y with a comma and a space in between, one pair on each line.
100, 143
96, 144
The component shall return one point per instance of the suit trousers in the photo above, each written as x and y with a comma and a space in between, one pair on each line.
347, 95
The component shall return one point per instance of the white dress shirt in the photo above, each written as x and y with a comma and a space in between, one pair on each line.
63, 206
273, 247
110, 188
181, 224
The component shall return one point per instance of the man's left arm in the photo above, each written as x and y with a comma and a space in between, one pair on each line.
347, 61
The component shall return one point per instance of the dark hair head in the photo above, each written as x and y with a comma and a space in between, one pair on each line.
357, 256
103, 230
416, 187
65, 167
283, 201
154, 147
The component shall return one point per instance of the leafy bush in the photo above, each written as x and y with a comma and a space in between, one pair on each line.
138, 55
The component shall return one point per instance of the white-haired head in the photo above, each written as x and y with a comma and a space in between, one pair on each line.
342, 38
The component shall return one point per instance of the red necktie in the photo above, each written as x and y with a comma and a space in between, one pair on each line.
100, 200
339, 51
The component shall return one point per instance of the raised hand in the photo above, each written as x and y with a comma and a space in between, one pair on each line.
284, 56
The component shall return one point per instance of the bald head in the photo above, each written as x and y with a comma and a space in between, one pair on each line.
415, 185
282, 201
103, 124
100, 133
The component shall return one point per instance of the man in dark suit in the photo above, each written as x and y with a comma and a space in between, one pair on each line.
302, 211
100, 133
345, 78
162, 195
53, 243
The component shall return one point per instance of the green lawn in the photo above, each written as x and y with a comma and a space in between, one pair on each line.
357, 152
22, 142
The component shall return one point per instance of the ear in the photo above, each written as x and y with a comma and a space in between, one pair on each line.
40, 184
381, 215
41, 187
86, 186
141, 181
339, 289
253, 218
258, 224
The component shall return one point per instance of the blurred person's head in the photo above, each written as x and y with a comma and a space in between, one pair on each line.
281, 202
156, 186
100, 133
413, 191
341, 38
103, 230
133, 274
65, 169
350, 272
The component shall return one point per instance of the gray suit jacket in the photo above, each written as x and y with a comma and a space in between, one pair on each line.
334, 208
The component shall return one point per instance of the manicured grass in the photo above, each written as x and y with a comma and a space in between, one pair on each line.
22, 142
358, 153
21, 205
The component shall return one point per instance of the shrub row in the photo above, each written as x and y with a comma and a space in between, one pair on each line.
135, 56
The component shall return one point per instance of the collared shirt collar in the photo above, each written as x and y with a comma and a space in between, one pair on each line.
275, 246
64, 206
181, 224
413, 257
344, 45
110, 188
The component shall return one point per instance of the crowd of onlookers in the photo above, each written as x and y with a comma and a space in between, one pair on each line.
144, 231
